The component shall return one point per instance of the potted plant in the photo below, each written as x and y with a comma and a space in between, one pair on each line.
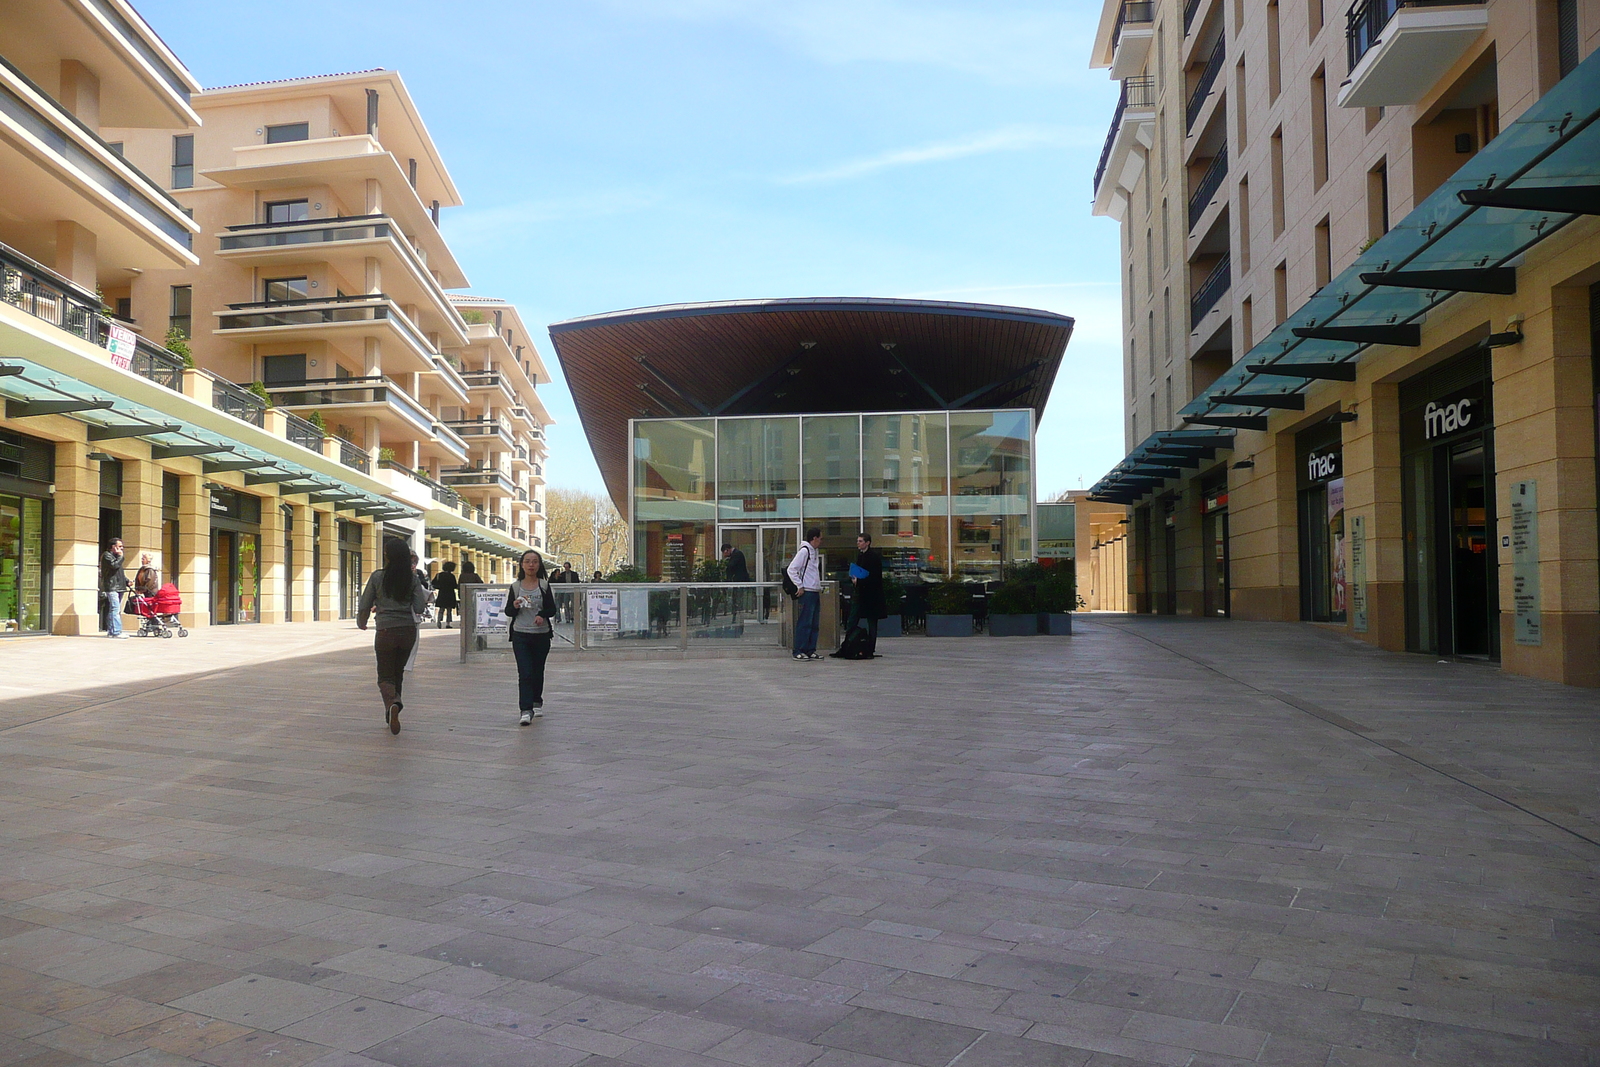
950, 609
1014, 610
894, 595
1058, 596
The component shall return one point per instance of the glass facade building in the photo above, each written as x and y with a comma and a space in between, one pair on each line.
941, 492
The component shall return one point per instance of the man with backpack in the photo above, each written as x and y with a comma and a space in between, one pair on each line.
805, 572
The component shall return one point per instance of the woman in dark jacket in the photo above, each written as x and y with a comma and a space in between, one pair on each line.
469, 573
530, 606
445, 598
398, 596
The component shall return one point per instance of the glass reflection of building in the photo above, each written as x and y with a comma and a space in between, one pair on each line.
941, 492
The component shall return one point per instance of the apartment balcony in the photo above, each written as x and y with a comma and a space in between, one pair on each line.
53, 167
1205, 190
1399, 49
489, 386
343, 321
142, 84
1202, 89
446, 384
450, 443
483, 431
522, 415
1210, 290
371, 396
519, 459
536, 474
346, 165
491, 481
1122, 159
1131, 37
346, 244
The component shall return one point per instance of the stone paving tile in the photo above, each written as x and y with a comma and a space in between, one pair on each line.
1156, 842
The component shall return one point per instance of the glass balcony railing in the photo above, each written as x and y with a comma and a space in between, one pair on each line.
366, 389
285, 234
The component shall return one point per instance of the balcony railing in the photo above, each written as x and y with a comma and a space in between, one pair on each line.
366, 389
1207, 187
361, 307
284, 234
1131, 11
152, 361
479, 427
519, 533
1364, 22
1209, 292
355, 457
442, 493
1136, 92
498, 523
44, 294
522, 494
131, 39
239, 402
303, 433
1202, 89
475, 476
1189, 9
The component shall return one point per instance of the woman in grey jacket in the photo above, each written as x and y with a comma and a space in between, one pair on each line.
530, 606
398, 597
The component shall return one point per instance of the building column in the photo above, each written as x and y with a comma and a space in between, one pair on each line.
77, 251
141, 514
328, 595
194, 545
75, 568
301, 570
274, 579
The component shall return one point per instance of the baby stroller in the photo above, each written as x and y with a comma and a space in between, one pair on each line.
158, 614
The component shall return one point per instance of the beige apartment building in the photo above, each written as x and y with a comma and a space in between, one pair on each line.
1359, 262
226, 337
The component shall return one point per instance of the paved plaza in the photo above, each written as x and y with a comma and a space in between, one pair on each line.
1156, 842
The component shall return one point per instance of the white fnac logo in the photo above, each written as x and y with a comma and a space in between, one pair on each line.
1323, 466
1437, 421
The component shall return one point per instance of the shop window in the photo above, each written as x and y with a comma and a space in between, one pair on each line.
1319, 478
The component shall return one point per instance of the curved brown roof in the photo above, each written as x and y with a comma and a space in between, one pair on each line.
843, 354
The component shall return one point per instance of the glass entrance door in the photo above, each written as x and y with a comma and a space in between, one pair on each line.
1472, 563
766, 551
223, 559
778, 546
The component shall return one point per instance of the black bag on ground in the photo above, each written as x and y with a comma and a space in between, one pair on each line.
855, 644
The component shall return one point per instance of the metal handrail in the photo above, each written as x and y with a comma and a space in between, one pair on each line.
1189, 9
308, 223
321, 231
1209, 182
303, 433
1208, 292
1136, 92
44, 294
239, 402
354, 456
1202, 89
348, 298
1366, 19
1131, 11
152, 361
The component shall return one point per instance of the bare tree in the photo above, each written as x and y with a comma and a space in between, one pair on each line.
584, 529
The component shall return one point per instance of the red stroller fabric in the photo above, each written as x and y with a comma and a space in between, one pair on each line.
167, 601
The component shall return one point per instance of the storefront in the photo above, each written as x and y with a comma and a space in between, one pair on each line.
940, 492
171, 564
352, 572
27, 467
1447, 468
235, 557
1319, 484
1214, 543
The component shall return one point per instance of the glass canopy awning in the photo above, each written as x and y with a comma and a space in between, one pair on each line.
1538, 175
30, 389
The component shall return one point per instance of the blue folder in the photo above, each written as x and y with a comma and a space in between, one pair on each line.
857, 571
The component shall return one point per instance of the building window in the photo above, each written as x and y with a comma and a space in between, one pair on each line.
286, 211
181, 308
124, 308
1324, 251
1319, 128
277, 289
1567, 36
289, 131
183, 161
1378, 201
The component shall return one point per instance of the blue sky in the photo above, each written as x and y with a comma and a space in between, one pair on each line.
620, 153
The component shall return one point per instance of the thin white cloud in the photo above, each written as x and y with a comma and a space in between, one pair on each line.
469, 226
1039, 44
1007, 139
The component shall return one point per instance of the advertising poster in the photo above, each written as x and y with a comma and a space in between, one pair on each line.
605, 615
1525, 562
1338, 582
491, 612
633, 610
1358, 573
121, 344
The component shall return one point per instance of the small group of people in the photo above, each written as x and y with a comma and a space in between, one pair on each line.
867, 604
396, 597
115, 587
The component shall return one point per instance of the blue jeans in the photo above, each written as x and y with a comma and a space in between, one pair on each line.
114, 612
806, 622
531, 651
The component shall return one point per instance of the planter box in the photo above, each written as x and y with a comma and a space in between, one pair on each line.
1056, 624
1014, 625
949, 625
890, 627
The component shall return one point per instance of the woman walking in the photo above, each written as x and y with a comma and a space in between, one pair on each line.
530, 606
445, 601
398, 596
469, 573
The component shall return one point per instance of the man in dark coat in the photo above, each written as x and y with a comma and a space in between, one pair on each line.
738, 570
867, 606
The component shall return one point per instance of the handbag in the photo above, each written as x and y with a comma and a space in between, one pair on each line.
130, 606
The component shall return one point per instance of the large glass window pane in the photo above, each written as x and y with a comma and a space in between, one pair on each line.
758, 468
904, 465
832, 481
674, 512
990, 453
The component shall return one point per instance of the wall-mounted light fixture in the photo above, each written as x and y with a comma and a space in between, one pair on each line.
100, 457
1245, 464
1343, 416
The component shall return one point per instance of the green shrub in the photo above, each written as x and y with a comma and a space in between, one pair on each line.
710, 570
1015, 597
894, 594
1058, 593
259, 389
385, 455
627, 572
177, 342
316, 419
951, 597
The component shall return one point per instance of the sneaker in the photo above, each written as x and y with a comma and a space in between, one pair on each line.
812, 655
118, 637
799, 655
538, 712
394, 717
527, 717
